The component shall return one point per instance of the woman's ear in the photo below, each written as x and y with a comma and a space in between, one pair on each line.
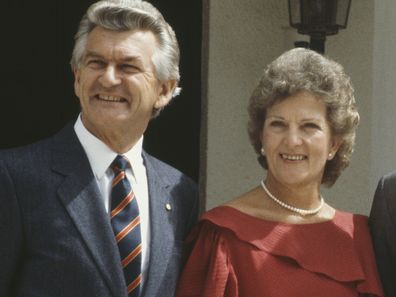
335, 145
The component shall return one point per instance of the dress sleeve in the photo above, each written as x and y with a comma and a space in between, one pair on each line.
371, 286
208, 271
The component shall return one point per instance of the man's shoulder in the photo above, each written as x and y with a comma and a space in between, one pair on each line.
26, 152
390, 177
386, 191
37, 152
387, 183
166, 171
25, 164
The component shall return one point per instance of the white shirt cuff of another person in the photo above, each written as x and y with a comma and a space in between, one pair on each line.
100, 157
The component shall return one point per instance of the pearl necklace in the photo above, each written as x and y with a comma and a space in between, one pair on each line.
300, 211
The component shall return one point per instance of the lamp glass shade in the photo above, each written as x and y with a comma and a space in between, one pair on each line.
319, 16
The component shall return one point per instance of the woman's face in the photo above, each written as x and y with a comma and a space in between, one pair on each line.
297, 140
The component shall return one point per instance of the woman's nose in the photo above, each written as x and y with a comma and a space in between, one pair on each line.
293, 137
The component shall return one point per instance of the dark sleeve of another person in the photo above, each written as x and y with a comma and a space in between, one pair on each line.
383, 231
10, 233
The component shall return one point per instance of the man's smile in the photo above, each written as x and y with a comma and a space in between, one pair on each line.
110, 98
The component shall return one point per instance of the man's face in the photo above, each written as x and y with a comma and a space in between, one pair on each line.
116, 82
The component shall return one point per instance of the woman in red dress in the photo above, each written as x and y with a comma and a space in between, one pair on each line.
281, 238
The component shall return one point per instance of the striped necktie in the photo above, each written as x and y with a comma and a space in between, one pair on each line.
125, 221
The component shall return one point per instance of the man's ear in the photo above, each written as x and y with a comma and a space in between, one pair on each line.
166, 90
77, 76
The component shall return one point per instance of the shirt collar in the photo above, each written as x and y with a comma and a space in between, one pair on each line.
100, 156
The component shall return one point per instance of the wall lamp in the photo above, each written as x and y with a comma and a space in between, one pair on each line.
318, 19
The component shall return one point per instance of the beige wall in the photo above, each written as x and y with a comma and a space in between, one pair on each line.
353, 48
246, 35
383, 140
243, 37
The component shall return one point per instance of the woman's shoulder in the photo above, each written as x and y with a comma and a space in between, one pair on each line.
227, 225
357, 227
223, 217
351, 223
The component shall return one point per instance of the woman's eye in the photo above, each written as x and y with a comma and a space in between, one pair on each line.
311, 126
277, 124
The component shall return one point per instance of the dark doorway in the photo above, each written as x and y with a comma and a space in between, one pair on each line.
37, 83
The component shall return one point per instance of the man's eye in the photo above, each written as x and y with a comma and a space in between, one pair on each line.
129, 68
95, 63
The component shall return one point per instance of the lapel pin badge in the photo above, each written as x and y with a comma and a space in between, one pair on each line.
168, 207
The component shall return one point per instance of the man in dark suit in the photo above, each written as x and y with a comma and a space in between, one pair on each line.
383, 231
88, 212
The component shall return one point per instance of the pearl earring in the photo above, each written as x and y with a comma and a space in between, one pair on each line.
262, 151
330, 155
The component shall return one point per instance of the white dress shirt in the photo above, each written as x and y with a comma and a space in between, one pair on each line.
100, 157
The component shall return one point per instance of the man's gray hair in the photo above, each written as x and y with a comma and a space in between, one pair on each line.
124, 15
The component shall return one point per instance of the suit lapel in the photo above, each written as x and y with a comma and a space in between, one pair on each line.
81, 197
162, 234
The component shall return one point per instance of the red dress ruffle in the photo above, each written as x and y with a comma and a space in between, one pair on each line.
238, 255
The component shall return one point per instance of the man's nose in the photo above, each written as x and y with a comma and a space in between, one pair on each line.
110, 77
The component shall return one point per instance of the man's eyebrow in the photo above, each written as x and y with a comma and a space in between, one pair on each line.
93, 54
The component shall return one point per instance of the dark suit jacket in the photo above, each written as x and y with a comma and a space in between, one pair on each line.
55, 235
383, 231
